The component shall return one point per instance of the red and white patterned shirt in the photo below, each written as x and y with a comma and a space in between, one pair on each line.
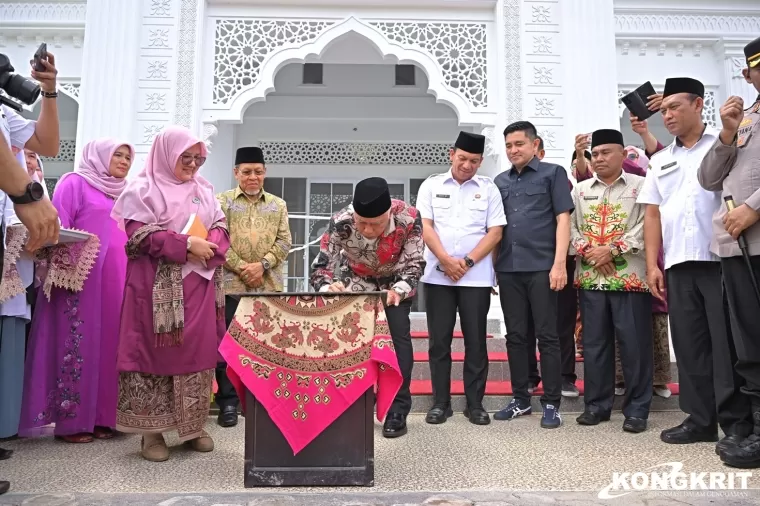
392, 261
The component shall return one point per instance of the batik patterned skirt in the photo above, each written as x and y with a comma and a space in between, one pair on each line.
155, 404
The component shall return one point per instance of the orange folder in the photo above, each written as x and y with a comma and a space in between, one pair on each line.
195, 227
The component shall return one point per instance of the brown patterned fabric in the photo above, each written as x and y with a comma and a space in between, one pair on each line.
661, 345
11, 284
168, 296
155, 404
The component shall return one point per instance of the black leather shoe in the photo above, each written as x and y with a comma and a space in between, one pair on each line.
477, 416
394, 426
439, 414
744, 456
5, 454
228, 416
684, 435
727, 443
591, 418
635, 425
4, 486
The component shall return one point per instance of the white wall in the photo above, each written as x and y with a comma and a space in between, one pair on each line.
356, 103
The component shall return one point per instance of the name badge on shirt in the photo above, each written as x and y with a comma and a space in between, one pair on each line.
668, 168
591, 197
744, 129
442, 196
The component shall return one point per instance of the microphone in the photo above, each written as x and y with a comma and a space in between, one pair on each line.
731, 205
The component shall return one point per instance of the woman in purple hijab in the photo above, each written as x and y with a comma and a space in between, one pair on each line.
70, 378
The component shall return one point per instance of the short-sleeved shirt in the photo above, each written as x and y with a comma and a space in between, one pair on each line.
16, 129
462, 215
686, 209
532, 200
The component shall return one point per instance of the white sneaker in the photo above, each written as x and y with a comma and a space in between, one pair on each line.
663, 392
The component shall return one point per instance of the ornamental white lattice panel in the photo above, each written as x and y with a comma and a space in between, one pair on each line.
66, 152
71, 89
242, 45
709, 112
459, 48
349, 153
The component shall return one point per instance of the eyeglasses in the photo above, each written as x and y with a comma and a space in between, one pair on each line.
188, 159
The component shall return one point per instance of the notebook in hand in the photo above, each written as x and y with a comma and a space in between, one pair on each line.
195, 227
636, 101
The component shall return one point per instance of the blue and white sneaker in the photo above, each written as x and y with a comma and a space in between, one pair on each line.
514, 409
551, 418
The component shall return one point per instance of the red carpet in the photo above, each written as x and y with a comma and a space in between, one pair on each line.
424, 335
458, 356
425, 387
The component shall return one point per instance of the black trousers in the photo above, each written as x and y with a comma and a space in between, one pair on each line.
629, 316
567, 309
442, 303
400, 327
745, 323
226, 395
526, 295
704, 349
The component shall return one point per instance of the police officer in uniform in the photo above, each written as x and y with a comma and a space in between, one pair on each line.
678, 216
462, 219
732, 165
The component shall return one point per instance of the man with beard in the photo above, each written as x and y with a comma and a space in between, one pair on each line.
259, 242
375, 244
678, 216
731, 165
463, 220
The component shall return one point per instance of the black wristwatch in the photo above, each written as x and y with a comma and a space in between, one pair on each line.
470, 262
34, 193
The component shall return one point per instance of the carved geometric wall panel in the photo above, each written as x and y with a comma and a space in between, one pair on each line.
459, 48
351, 153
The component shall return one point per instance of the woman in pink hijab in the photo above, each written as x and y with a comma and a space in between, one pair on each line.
173, 312
70, 375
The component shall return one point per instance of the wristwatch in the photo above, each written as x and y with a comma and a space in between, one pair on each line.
615, 251
34, 193
470, 262
265, 264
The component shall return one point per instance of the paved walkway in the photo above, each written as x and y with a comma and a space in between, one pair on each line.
478, 465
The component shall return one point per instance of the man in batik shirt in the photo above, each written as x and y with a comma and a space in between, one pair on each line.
260, 241
376, 244
607, 231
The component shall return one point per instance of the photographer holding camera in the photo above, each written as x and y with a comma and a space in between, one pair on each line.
31, 206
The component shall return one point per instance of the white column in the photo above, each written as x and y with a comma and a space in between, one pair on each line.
734, 62
220, 140
569, 72
108, 92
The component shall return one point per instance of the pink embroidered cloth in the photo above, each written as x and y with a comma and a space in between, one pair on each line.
64, 266
307, 359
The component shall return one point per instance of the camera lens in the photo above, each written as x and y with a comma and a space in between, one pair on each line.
23, 89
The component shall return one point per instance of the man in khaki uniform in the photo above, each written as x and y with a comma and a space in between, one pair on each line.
733, 166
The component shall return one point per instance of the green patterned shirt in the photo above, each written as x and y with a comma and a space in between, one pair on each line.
259, 229
609, 216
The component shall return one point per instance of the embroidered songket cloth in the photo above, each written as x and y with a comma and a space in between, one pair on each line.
65, 265
307, 359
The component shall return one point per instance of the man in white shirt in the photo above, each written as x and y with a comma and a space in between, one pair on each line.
679, 216
462, 222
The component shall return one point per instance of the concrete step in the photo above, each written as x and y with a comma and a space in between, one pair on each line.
498, 367
419, 324
494, 344
493, 403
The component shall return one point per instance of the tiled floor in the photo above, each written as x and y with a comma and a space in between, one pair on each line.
456, 456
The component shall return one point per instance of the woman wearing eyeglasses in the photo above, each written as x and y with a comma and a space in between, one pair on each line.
173, 311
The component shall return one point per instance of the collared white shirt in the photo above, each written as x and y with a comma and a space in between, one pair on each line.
686, 209
16, 129
462, 215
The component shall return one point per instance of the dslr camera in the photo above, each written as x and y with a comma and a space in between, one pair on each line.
15, 86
